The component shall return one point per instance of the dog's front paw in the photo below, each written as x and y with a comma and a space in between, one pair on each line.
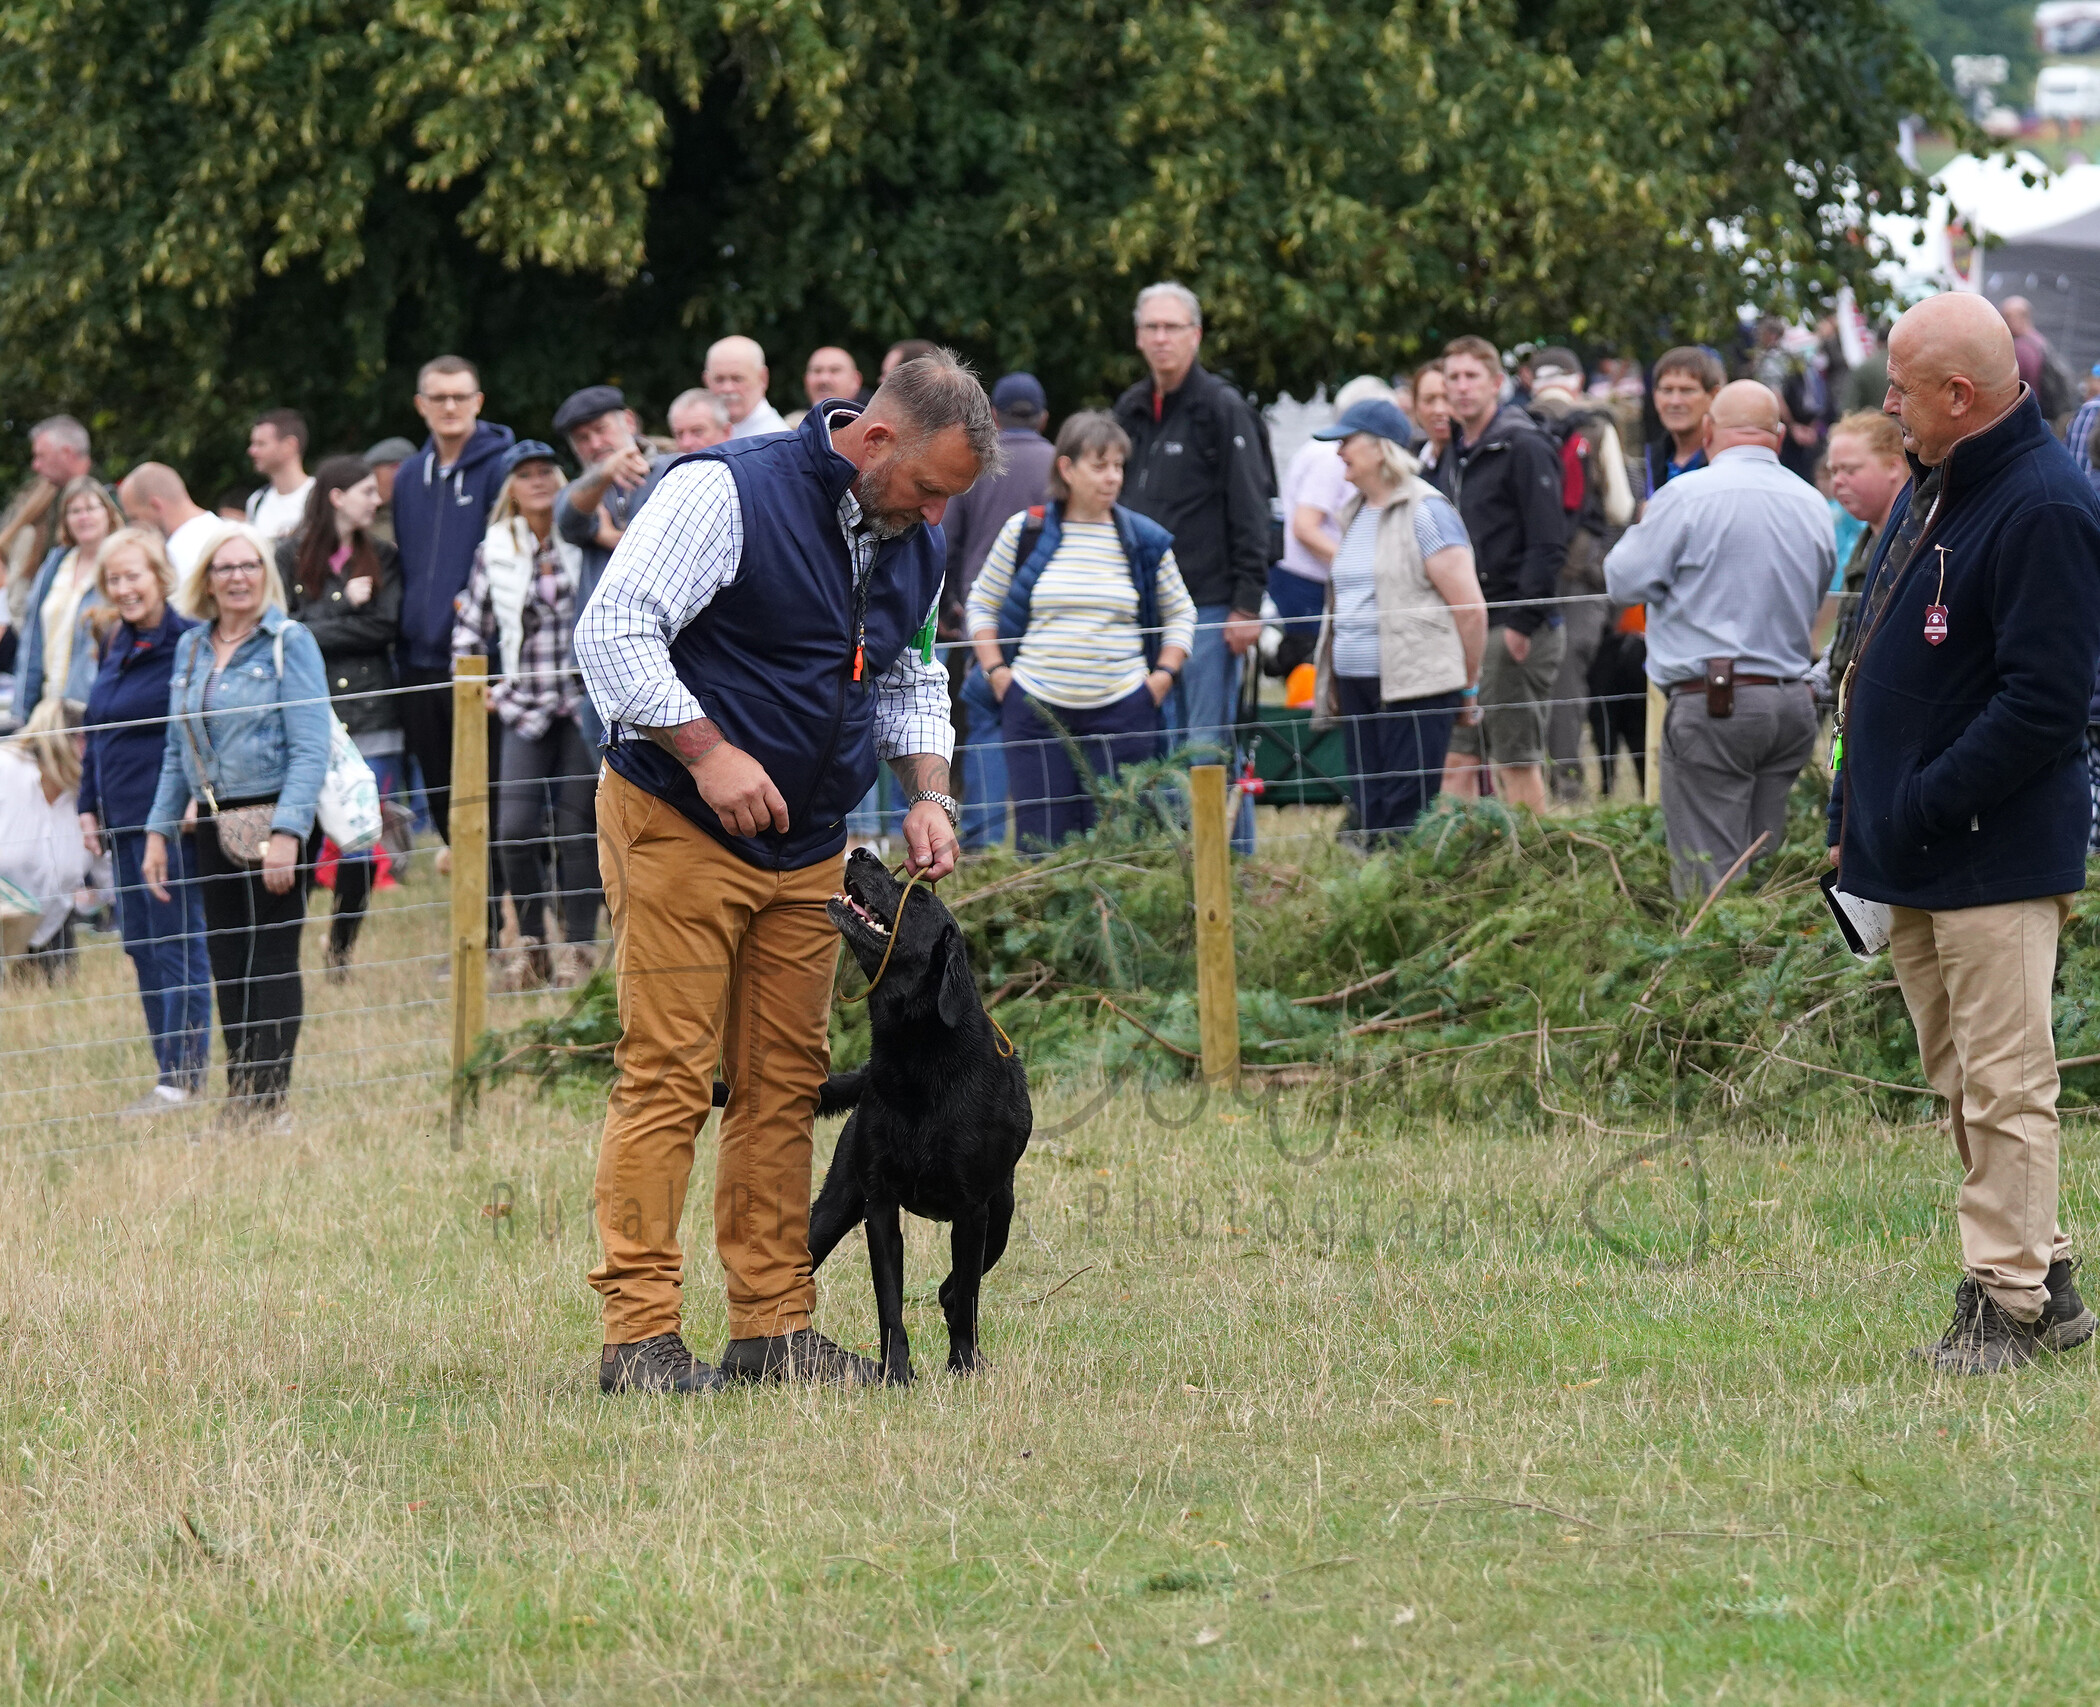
965, 1360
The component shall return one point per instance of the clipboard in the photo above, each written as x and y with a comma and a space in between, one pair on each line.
1863, 924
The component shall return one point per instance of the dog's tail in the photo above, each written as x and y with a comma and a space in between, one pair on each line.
842, 1091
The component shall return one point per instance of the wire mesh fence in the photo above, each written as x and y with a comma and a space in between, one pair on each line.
87, 1002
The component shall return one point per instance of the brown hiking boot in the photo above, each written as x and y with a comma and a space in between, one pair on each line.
1982, 1339
525, 966
804, 1355
574, 962
660, 1364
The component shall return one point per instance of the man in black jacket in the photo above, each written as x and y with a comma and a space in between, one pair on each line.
1504, 475
1961, 794
1196, 467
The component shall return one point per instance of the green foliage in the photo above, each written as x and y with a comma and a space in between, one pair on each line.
213, 205
1945, 28
1500, 968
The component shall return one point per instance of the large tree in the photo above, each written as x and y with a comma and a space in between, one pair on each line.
215, 205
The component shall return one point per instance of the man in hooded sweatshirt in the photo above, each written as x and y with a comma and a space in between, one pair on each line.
442, 497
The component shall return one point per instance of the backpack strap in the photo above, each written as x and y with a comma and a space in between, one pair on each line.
1013, 612
1144, 574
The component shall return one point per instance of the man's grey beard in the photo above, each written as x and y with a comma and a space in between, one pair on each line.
873, 520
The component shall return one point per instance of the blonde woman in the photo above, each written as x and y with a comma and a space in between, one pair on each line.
41, 853
59, 656
519, 611
1405, 626
248, 738
127, 734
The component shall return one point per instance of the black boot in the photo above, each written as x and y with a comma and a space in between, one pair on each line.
660, 1364
1982, 1339
2066, 1323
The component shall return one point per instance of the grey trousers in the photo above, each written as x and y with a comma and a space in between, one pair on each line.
1725, 780
1569, 713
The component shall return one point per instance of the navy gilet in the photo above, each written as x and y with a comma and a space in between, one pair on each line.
771, 657
1144, 543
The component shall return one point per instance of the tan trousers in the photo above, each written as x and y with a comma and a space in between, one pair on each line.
712, 959
1977, 983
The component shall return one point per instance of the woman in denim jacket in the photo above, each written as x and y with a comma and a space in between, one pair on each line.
248, 725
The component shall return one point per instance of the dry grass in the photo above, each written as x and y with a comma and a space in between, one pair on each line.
1333, 1409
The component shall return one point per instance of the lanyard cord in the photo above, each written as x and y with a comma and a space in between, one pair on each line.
895, 925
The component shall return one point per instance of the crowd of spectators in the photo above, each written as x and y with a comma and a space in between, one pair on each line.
1468, 568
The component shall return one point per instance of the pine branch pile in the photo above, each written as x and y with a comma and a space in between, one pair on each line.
1492, 965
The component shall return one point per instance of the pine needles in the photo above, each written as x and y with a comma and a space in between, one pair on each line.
1491, 965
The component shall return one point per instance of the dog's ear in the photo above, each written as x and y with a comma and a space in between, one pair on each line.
958, 993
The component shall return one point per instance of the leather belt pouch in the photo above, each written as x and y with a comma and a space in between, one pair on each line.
1720, 687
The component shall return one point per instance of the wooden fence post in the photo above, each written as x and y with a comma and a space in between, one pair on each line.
470, 870
1217, 997
1658, 709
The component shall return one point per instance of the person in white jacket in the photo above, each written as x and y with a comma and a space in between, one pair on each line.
519, 611
42, 854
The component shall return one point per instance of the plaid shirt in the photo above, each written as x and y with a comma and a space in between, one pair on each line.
2079, 439
546, 684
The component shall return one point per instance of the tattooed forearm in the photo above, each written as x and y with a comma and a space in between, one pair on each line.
689, 743
921, 773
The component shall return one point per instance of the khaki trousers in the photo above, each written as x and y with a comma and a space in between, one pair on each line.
712, 959
1977, 983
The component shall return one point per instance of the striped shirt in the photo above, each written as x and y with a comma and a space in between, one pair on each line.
1082, 649
674, 559
1437, 526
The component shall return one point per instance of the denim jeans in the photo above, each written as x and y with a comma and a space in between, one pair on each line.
165, 940
1201, 711
981, 751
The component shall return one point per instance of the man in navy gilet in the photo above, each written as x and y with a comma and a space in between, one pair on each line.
760, 642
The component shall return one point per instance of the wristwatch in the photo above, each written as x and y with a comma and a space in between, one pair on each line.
946, 802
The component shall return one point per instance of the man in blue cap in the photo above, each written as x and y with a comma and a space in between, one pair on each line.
972, 525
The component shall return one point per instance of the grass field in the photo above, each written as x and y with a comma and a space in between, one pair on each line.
1287, 1402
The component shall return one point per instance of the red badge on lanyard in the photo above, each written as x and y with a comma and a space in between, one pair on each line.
1936, 613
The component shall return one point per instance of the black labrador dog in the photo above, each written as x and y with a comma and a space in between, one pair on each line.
940, 1112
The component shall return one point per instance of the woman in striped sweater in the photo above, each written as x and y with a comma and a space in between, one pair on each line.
1081, 608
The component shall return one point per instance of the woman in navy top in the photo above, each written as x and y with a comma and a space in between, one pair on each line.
165, 939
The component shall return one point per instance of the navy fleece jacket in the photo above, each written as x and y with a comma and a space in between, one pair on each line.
439, 521
1964, 780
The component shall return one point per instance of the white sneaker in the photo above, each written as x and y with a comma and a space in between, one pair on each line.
161, 1099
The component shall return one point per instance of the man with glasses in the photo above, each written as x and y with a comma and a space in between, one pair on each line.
441, 503
1198, 467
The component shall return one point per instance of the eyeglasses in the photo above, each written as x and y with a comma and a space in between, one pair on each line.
1161, 328
448, 399
253, 566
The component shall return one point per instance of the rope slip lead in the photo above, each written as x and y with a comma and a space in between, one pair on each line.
911, 883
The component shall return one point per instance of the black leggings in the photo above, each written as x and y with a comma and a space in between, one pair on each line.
252, 939
556, 774
353, 891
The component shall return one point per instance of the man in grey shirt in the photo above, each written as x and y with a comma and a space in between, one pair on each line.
1731, 561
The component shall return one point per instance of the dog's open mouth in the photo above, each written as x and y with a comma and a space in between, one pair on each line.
863, 914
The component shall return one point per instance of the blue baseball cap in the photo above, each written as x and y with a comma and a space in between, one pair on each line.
1375, 416
527, 450
1018, 391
